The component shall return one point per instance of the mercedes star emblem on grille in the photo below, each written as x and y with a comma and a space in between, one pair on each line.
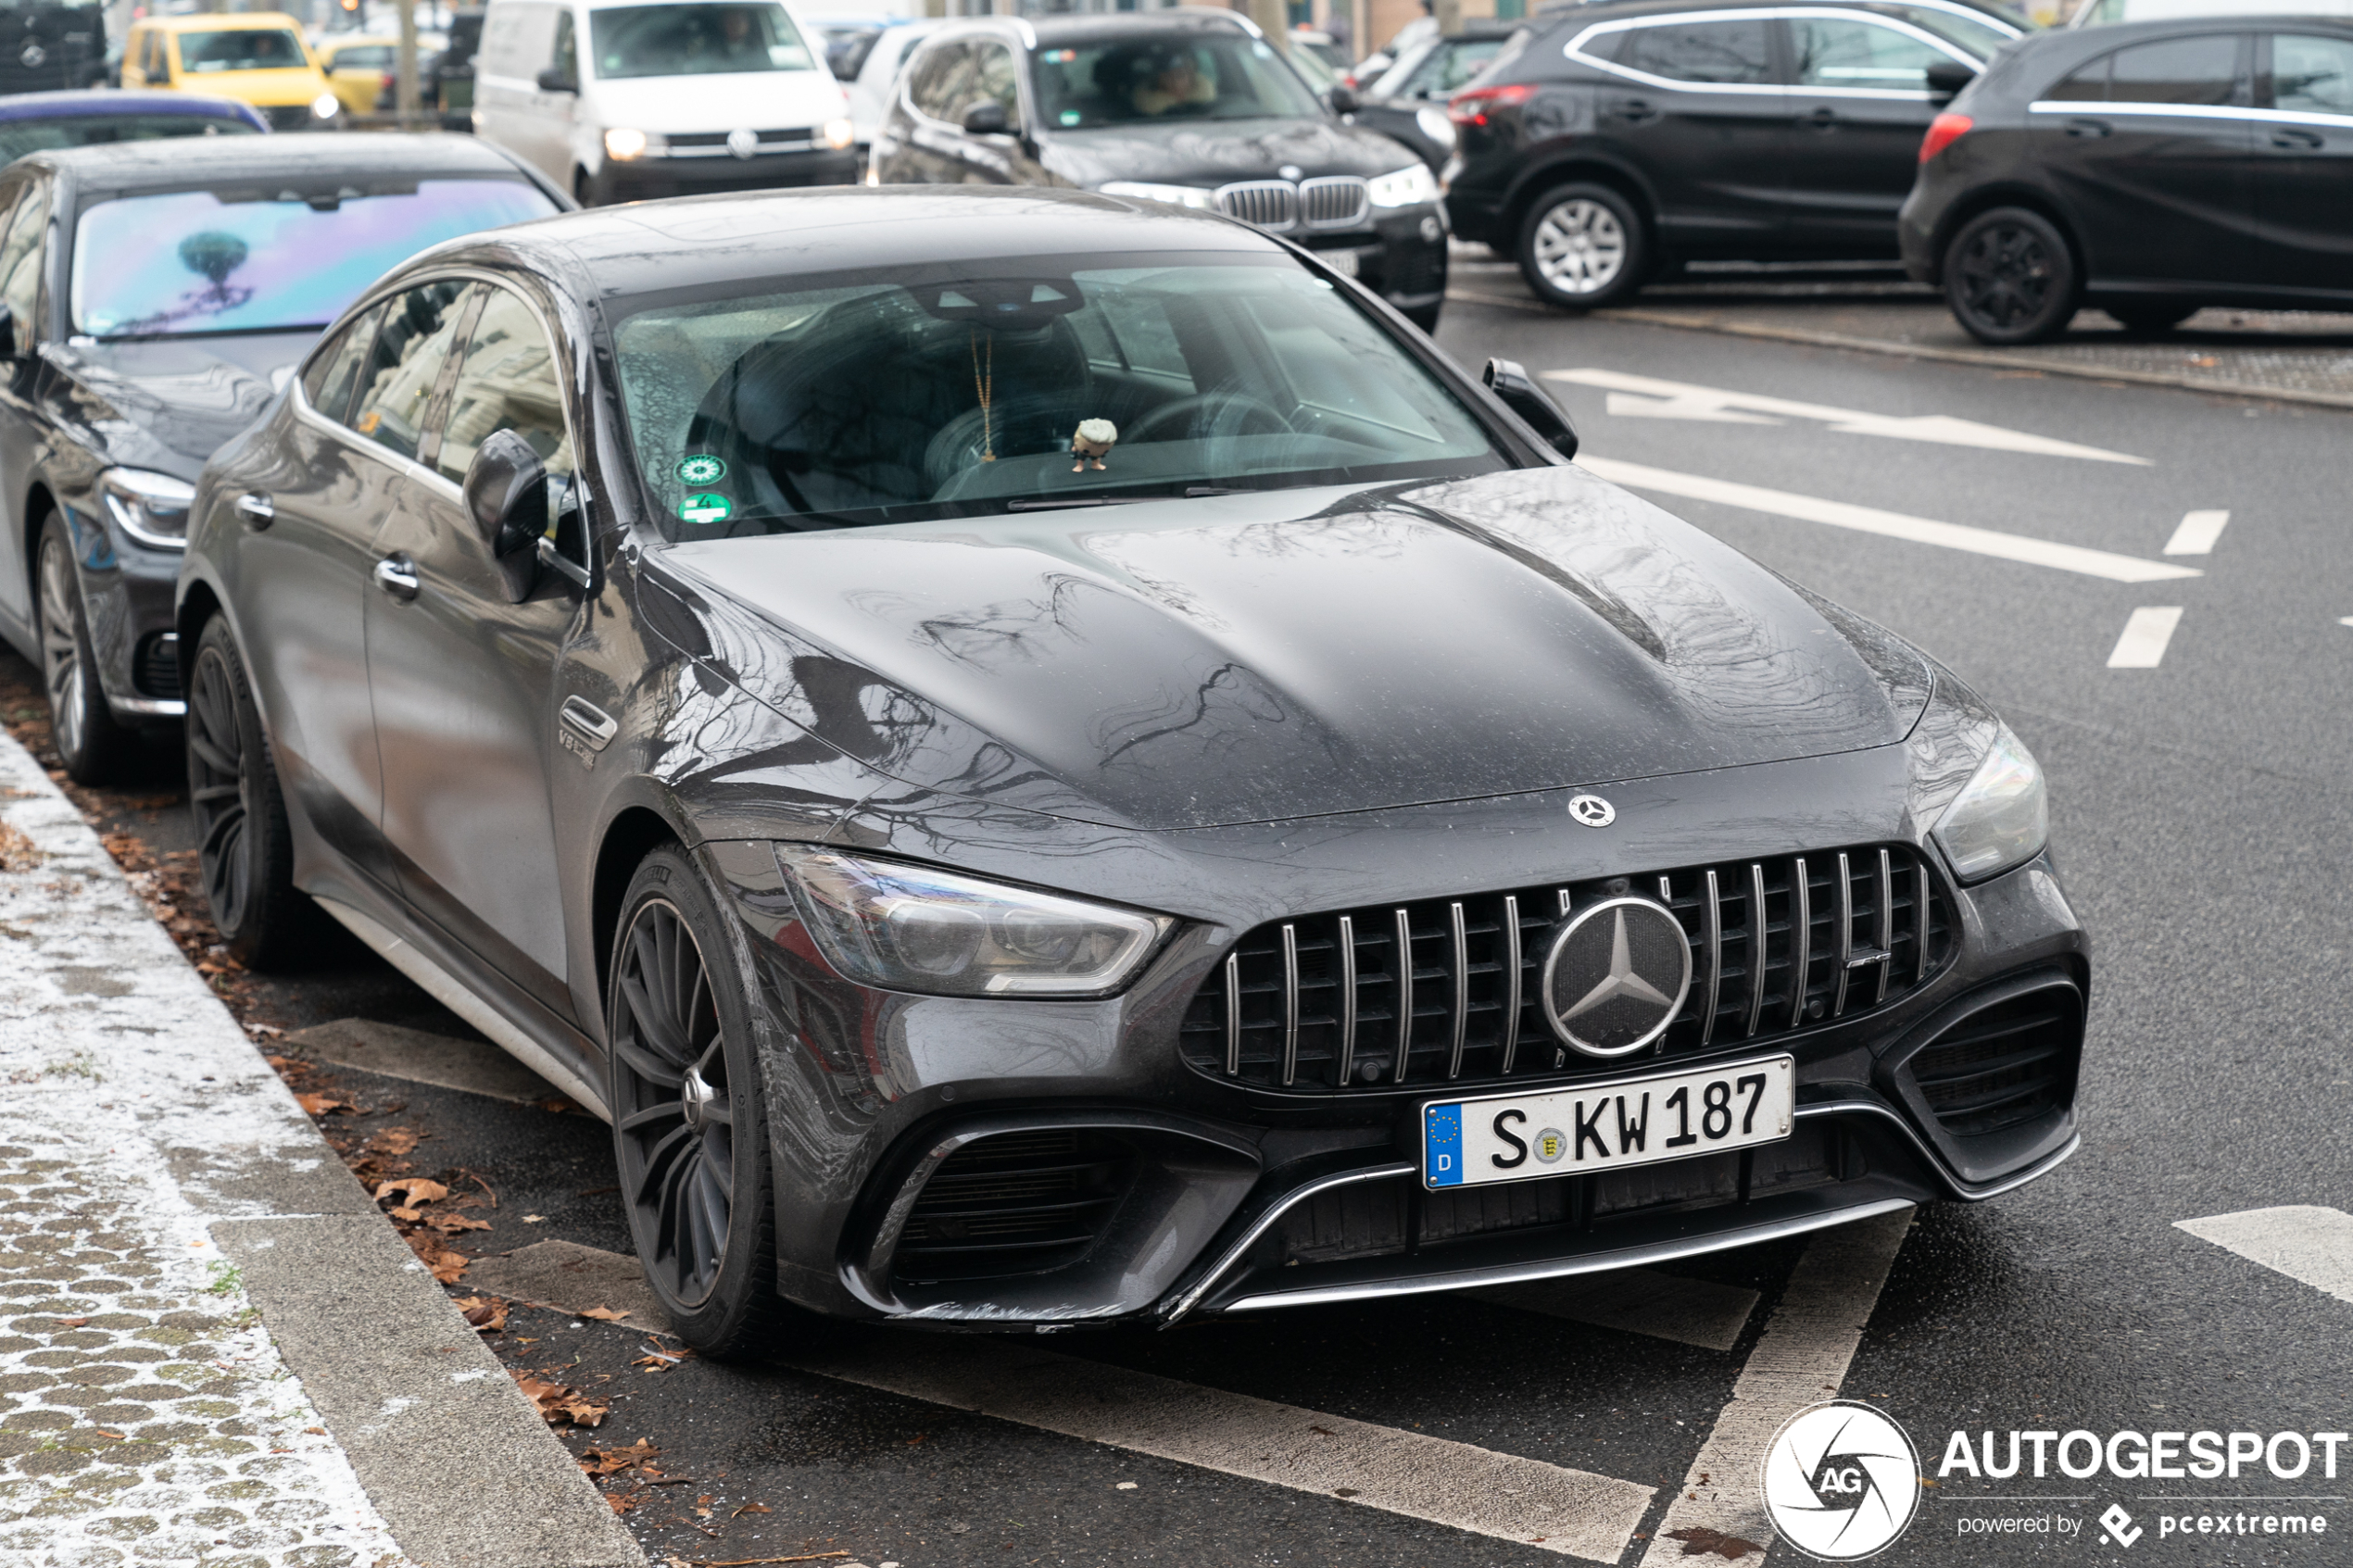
1593, 810
1615, 976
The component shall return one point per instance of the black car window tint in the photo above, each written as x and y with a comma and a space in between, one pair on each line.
397, 381
20, 255
1842, 52
564, 57
2202, 70
1151, 79
334, 369
1715, 52
675, 39
2311, 74
942, 78
2086, 85
1451, 66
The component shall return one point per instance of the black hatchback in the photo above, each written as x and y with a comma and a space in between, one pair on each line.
1623, 138
1194, 108
2148, 169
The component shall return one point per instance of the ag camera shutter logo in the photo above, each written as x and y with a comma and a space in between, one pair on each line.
1842, 1481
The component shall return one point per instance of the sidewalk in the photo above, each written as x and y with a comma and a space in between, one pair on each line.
214, 1350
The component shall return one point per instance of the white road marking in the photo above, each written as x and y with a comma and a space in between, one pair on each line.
1801, 1360
2308, 1243
1892, 525
2146, 631
1690, 1311
1680, 400
2198, 534
1569, 1512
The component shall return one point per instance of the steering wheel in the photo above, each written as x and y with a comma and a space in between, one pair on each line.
1246, 412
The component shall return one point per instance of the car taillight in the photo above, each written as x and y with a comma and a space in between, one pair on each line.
1470, 105
1943, 131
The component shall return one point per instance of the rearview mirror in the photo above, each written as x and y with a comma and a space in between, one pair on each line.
1535, 407
1342, 99
506, 492
987, 118
1948, 77
557, 80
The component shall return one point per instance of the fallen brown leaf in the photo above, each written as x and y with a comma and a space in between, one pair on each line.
452, 1223
412, 1190
612, 1462
1699, 1540
485, 1312
756, 1561
602, 1314
393, 1140
445, 1264
73, 1323
560, 1405
621, 1501
751, 1508
325, 1103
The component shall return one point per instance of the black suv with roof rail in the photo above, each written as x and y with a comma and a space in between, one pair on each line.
1623, 137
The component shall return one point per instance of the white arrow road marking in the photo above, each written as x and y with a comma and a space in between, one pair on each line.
2146, 631
1690, 1311
1892, 525
1801, 1361
2198, 534
1680, 400
2311, 1245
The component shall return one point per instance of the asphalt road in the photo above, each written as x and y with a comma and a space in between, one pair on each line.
2201, 821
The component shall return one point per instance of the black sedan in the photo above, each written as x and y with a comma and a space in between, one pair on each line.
2148, 168
1045, 761
153, 296
1627, 138
1193, 108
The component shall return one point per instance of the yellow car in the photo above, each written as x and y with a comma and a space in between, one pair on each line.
361, 70
256, 57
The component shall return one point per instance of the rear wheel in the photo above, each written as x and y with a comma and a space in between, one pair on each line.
2010, 277
688, 1125
2159, 318
244, 849
1585, 246
89, 742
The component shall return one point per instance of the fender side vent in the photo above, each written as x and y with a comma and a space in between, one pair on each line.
2002, 1066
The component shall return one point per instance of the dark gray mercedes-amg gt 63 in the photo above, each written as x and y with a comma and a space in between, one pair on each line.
1046, 762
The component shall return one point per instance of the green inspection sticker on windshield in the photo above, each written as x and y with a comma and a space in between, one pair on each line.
707, 509
701, 468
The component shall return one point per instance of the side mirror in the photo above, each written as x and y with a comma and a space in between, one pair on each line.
557, 80
1341, 98
8, 333
987, 118
1535, 407
506, 492
1948, 77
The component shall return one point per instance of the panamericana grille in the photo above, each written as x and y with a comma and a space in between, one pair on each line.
1446, 990
1336, 201
2006, 1064
1016, 1203
714, 144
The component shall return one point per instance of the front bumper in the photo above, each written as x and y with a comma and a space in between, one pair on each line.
649, 178
127, 594
1401, 257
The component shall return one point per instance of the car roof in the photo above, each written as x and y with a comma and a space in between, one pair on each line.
1617, 9
113, 101
1176, 21
173, 162
215, 21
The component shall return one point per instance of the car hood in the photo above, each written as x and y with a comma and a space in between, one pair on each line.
1212, 152
1190, 664
756, 100
168, 404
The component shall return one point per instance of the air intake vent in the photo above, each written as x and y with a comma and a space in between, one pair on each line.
156, 670
1016, 1203
1446, 990
2002, 1066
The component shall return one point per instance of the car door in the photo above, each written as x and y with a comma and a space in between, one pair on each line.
2162, 186
463, 680
2303, 162
23, 428
1698, 106
1859, 107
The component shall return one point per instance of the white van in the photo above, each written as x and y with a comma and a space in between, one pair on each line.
619, 100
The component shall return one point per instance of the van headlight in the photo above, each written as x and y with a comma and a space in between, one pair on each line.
1408, 187
623, 144
840, 134
2002, 816
151, 508
326, 106
901, 927
1175, 195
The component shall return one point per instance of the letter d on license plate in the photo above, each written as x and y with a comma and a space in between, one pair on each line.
1607, 1126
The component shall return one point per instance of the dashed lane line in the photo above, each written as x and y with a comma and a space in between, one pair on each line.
1801, 1360
2198, 534
1892, 525
2306, 1243
1689, 1312
2147, 630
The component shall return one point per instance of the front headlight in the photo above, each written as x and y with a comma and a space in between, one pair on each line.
151, 508
1407, 187
2002, 816
623, 144
840, 134
326, 106
1436, 126
914, 928
1175, 195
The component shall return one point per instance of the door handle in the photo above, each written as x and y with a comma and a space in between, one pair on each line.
1634, 110
2289, 139
590, 722
396, 575
1823, 118
2087, 128
254, 511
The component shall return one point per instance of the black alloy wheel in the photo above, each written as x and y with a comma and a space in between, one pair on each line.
2011, 277
245, 848
1585, 246
2160, 316
91, 745
689, 1129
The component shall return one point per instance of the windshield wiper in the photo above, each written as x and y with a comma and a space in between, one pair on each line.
1029, 506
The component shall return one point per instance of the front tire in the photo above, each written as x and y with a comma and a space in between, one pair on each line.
2011, 277
1584, 247
689, 1129
90, 743
245, 848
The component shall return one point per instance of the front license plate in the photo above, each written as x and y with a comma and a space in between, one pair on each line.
1341, 261
1607, 1126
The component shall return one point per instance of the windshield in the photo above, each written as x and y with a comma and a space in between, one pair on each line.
1163, 76
244, 48
696, 40
275, 260
22, 136
909, 396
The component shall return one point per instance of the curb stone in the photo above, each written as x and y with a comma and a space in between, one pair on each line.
212, 1349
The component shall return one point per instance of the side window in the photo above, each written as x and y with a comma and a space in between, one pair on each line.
1840, 52
565, 57
1705, 52
993, 77
2087, 85
334, 369
940, 76
2204, 70
398, 377
2312, 74
20, 255
1146, 339
507, 379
